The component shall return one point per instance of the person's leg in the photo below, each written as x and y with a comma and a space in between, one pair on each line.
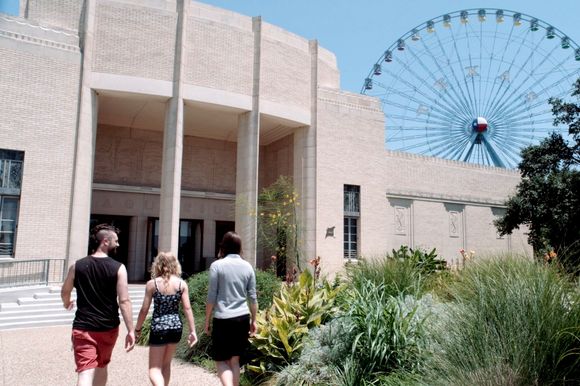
85, 353
100, 376
156, 354
225, 373
167, 357
86, 377
235, 367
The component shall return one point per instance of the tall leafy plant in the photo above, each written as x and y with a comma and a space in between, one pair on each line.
297, 308
278, 227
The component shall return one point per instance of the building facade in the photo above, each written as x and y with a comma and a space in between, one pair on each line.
167, 117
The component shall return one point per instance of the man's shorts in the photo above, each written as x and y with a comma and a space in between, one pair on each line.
93, 349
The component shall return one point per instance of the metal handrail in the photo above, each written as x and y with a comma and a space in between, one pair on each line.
19, 273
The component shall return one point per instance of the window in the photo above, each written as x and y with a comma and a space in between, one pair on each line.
351, 220
10, 183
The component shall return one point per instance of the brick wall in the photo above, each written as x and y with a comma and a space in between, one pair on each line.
38, 111
133, 157
133, 40
219, 56
65, 14
442, 204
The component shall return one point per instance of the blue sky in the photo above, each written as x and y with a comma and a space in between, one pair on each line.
359, 31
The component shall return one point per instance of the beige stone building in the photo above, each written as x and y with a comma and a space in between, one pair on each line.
167, 117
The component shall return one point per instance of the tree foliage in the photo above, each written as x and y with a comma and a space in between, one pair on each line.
278, 226
547, 198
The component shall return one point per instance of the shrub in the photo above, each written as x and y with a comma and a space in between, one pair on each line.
389, 334
395, 276
512, 322
297, 308
325, 348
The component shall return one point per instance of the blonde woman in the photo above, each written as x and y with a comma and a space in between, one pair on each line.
167, 290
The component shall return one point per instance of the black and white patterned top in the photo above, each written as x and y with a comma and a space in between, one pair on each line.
166, 311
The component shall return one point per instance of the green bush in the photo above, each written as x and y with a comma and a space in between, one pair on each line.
512, 322
325, 348
297, 308
396, 276
388, 334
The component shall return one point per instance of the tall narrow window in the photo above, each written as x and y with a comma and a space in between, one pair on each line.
10, 183
351, 221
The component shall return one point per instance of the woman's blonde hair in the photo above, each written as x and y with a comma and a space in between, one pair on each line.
165, 265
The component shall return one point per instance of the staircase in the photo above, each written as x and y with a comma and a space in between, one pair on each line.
42, 306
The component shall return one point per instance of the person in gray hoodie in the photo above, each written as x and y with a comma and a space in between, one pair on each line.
233, 303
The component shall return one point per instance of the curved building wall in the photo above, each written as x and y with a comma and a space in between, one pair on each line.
219, 50
65, 14
134, 40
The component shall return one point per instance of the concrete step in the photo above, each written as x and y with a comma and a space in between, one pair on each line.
41, 307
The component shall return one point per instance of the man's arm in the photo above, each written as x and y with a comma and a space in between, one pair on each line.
125, 306
253, 312
67, 287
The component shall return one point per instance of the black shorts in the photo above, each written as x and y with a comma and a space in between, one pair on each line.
230, 337
158, 338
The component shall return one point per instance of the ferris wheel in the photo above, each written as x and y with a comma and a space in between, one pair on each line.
473, 85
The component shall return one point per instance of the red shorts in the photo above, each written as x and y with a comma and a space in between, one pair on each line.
93, 349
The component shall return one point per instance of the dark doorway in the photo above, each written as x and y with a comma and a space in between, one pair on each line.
123, 224
189, 247
221, 228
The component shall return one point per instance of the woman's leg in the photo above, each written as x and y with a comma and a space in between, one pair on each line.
225, 373
235, 367
156, 354
167, 357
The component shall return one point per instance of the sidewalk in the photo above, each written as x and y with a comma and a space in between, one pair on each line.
43, 356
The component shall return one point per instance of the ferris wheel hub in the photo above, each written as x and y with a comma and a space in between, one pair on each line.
479, 125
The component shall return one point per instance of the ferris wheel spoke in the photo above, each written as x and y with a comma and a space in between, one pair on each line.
472, 76
453, 151
446, 83
430, 103
442, 96
417, 116
524, 109
457, 82
438, 96
490, 62
469, 149
498, 98
525, 99
456, 50
527, 91
503, 53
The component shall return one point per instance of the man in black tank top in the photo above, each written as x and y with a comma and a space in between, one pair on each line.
99, 281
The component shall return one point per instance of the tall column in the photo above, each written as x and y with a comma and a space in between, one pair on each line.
305, 166
170, 198
81, 190
248, 151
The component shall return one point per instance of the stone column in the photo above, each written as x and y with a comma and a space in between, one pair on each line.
170, 198
305, 166
80, 210
248, 151
209, 235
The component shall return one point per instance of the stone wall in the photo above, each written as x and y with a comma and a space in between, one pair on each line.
38, 113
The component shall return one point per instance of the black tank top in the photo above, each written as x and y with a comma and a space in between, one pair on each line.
96, 285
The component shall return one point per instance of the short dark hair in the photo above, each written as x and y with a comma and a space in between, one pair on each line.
98, 233
231, 244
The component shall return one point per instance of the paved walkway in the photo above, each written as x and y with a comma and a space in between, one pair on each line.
43, 356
